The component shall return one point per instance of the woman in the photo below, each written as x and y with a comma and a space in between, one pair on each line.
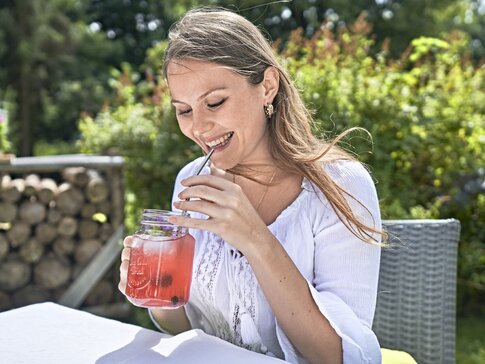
286, 226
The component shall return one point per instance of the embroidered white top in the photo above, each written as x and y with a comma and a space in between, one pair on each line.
341, 271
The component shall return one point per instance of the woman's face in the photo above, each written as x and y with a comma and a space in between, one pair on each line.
218, 108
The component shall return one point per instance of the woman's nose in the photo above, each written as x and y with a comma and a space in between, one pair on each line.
201, 125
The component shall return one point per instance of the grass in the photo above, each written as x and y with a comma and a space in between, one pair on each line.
470, 340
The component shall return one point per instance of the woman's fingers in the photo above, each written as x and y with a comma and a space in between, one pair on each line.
191, 222
125, 262
216, 182
199, 191
123, 275
125, 254
206, 193
210, 188
128, 241
204, 207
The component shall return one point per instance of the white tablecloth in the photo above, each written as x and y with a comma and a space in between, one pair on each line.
47, 333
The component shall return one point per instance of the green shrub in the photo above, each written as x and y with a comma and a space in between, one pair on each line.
426, 114
425, 111
7, 110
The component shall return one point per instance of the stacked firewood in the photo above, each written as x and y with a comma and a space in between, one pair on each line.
50, 229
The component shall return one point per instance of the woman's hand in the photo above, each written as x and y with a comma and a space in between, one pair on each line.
125, 262
231, 215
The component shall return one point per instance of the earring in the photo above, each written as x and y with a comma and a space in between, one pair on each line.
268, 111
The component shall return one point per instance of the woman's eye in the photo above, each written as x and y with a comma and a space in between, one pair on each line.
183, 112
217, 104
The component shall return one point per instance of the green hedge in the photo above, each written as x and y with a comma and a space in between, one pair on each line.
425, 111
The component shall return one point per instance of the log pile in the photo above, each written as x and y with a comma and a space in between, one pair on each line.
50, 229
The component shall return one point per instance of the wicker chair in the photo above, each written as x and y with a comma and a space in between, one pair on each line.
417, 289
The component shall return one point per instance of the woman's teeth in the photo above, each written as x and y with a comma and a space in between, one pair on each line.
220, 142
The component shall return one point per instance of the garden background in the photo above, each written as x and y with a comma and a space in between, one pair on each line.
84, 76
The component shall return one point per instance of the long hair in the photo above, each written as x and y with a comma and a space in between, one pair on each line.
221, 36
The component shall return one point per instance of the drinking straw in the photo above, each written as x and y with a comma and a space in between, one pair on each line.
204, 162
202, 165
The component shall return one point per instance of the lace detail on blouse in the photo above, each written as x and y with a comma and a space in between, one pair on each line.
239, 328
242, 288
205, 278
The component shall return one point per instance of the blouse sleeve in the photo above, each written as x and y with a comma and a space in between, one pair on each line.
346, 269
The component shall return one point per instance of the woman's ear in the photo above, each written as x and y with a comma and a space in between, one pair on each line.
271, 82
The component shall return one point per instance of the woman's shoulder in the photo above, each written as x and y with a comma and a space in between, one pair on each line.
348, 172
345, 173
354, 179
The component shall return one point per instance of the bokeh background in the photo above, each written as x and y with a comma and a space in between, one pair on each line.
83, 76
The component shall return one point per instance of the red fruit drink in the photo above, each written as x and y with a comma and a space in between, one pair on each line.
160, 269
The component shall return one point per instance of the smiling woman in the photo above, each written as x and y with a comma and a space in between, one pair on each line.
287, 226
218, 111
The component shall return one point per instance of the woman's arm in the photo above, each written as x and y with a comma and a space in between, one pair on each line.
288, 294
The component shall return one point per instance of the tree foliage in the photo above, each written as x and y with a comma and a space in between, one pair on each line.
136, 25
52, 65
56, 55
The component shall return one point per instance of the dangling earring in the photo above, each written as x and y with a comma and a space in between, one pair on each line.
268, 111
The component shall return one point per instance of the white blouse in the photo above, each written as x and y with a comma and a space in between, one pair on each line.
341, 270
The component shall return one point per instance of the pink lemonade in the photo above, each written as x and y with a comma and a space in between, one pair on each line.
160, 270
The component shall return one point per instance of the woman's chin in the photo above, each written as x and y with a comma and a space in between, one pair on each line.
221, 161
222, 165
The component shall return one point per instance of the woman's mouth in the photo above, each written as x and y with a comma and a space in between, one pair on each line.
220, 142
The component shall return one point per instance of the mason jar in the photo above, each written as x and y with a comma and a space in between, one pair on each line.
161, 260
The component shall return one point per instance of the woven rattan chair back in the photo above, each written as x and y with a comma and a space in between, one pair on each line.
417, 289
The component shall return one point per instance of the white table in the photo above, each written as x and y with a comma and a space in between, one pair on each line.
48, 333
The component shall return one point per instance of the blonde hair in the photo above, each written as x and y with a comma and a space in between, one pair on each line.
221, 36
